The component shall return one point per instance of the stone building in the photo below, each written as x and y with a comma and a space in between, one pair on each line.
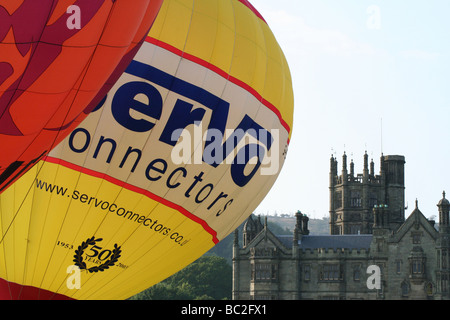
352, 197
371, 253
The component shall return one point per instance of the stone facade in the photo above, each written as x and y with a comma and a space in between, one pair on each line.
408, 260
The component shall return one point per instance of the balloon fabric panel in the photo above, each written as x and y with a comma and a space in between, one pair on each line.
159, 171
51, 69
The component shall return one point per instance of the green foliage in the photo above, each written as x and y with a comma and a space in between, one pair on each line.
208, 278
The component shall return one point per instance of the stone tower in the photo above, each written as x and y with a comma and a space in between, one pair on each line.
443, 249
353, 197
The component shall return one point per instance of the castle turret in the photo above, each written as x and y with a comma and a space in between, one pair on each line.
353, 196
333, 168
366, 167
333, 180
372, 168
443, 207
352, 169
344, 168
394, 167
367, 216
301, 225
443, 249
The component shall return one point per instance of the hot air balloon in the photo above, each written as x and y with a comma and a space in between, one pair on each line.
181, 150
57, 60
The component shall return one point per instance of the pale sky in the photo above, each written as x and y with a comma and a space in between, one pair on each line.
356, 64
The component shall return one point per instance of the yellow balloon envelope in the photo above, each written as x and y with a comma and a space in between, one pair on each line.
182, 149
